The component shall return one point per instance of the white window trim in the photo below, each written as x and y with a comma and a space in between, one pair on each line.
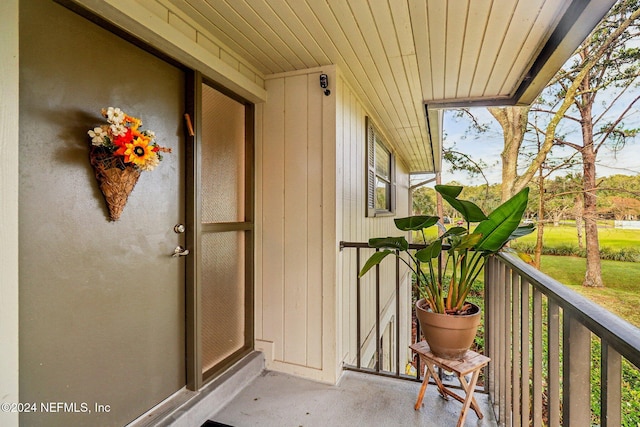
370, 179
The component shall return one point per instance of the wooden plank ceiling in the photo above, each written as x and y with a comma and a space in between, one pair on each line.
400, 55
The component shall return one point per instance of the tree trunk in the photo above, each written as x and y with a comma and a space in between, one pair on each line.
579, 204
593, 276
540, 236
513, 121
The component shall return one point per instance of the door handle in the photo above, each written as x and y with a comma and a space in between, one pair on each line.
180, 251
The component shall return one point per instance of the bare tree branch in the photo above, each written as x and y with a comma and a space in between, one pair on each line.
613, 126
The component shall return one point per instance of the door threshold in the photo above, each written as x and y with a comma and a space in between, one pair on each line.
164, 409
190, 408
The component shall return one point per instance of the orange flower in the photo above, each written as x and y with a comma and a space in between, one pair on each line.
133, 122
121, 140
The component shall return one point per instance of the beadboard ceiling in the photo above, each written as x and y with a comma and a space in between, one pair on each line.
401, 56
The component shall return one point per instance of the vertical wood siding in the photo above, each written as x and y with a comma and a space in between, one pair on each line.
290, 272
353, 225
311, 195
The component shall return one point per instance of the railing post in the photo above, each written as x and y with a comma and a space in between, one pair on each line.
500, 342
506, 351
488, 324
418, 331
536, 320
378, 348
515, 348
576, 363
397, 314
358, 314
492, 327
610, 386
553, 344
524, 353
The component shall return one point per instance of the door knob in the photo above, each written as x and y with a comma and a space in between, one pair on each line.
180, 251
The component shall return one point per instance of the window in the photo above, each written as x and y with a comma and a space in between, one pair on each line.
380, 174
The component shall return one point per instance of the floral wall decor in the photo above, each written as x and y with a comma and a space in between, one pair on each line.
119, 152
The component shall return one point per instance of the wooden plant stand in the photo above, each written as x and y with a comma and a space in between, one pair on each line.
471, 363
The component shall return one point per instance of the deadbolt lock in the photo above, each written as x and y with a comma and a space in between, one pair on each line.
179, 228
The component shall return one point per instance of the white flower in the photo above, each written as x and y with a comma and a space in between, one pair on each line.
115, 115
98, 135
150, 134
118, 129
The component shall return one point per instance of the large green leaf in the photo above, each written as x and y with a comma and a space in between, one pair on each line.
399, 243
430, 252
468, 241
503, 221
469, 210
374, 260
522, 230
449, 190
414, 223
454, 231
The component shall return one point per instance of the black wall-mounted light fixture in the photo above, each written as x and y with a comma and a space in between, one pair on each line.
324, 84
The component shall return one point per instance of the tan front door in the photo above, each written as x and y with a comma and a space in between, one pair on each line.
102, 304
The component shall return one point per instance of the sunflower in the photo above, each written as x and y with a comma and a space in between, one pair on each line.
139, 152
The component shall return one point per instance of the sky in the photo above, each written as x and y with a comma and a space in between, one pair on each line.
488, 146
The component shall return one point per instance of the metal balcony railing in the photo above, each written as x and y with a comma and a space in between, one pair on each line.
555, 354
545, 341
385, 305
373, 330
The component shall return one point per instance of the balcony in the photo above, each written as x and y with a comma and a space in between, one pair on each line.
557, 359
560, 357
359, 399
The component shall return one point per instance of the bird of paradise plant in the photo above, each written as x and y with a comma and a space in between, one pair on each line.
466, 250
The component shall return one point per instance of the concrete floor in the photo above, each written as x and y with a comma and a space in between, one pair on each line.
275, 399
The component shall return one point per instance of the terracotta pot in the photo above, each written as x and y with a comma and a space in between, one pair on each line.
448, 336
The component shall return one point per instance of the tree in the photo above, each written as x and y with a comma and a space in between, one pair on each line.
606, 64
424, 201
513, 121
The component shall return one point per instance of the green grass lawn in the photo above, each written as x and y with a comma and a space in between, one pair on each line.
621, 294
614, 238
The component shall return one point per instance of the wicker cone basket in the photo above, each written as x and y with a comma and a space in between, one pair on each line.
115, 179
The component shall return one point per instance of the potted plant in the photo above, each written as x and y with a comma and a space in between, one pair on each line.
448, 321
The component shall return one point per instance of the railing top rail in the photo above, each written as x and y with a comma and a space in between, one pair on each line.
366, 245
618, 333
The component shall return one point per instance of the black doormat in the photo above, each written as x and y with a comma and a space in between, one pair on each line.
210, 423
